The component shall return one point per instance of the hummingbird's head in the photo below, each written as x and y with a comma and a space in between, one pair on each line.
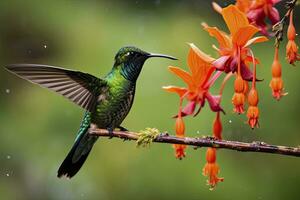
130, 61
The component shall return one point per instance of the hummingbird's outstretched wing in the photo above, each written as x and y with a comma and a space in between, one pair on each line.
81, 88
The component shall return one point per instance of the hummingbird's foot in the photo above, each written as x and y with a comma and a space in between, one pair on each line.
122, 128
110, 132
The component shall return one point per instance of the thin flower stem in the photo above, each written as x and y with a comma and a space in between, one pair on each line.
239, 61
259, 147
213, 79
254, 69
227, 77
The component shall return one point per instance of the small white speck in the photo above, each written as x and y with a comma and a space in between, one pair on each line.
7, 174
7, 91
45, 46
198, 132
230, 121
8, 157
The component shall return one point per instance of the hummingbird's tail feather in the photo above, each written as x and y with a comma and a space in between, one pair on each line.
79, 152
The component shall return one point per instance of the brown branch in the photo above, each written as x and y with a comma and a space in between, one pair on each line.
205, 142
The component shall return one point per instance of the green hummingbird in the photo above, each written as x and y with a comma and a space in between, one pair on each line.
107, 101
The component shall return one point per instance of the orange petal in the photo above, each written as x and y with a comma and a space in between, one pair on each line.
243, 5
244, 34
217, 7
256, 40
199, 63
223, 38
179, 90
234, 18
185, 76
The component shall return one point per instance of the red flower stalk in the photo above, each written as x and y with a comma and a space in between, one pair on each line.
291, 47
211, 168
234, 48
276, 83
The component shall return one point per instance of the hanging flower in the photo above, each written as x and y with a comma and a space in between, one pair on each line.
276, 83
217, 127
180, 130
211, 168
234, 48
238, 99
253, 111
291, 47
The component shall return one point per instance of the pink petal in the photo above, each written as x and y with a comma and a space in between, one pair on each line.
246, 73
213, 102
220, 63
274, 15
189, 108
256, 15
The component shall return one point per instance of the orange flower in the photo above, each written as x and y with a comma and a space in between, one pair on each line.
291, 47
198, 83
211, 168
180, 129
276, 83
234, 48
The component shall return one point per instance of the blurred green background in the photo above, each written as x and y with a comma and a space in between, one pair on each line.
38, 127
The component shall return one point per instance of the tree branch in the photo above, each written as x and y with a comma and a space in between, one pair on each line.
205, 142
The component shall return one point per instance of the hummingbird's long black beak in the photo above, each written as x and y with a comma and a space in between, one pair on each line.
151, 55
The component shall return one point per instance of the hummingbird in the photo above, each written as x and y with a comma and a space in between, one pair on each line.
106, 101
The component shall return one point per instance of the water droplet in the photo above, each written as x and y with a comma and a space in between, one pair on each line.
8, 157
230, 121
7, 91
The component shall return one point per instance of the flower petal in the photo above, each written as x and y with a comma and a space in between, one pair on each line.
185, 76
189, 108
234, 18
179, 90
244, 34
243, 5
273, 15
256, 40
217, 7
213, 102
220, 63
222, 37
199, 63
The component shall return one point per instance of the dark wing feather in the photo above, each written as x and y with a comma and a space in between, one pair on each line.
81, 88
